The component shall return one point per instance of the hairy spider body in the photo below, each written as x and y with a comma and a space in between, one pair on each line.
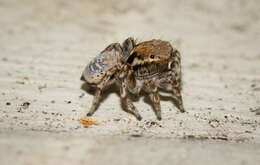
104, 69
151, 65
146, 66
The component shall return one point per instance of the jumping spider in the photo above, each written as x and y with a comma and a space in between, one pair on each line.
148, 66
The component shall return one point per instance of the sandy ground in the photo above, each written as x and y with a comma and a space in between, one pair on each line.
45, 45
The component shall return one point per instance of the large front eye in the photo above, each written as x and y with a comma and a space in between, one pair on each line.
152, 56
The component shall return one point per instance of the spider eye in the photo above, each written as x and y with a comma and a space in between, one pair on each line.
152, 56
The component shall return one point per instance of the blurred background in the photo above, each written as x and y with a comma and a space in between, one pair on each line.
45, 45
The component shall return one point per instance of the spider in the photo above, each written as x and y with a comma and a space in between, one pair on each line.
148, 66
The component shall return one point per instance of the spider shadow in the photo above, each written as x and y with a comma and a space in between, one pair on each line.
113, 88
105, 91
148, 100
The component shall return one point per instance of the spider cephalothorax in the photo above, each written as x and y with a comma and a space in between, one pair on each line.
150, 58
151, 65
147, 66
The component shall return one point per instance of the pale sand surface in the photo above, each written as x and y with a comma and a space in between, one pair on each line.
45, 45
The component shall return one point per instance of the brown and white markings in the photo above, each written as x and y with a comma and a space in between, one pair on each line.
104, 69
147, 66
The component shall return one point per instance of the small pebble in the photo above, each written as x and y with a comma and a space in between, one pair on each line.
82, 95
8, 103
136, 135
25, 105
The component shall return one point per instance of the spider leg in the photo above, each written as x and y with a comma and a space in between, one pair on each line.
95, 102
97, 97
130, 106
177, 93
156, 101
176, 80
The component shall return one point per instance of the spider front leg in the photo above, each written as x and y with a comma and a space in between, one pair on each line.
156, 101
128, 103
177, 93
175, 78
97, 97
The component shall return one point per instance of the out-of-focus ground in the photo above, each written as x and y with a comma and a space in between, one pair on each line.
45, 45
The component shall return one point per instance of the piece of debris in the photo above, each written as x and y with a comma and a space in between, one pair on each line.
189, 137
256, 110
8, 103
86, 122
82, 95
219, 138
136, 135
52, 101
40, 87
23, 107
150, 124
117, 119
193, 138
214, 123
68, 102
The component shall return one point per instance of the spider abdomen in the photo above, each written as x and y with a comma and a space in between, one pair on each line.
105, 62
